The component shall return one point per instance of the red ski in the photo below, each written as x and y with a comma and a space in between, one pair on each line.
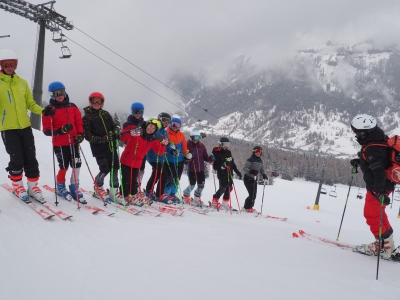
276, 218
59, 213
43, 213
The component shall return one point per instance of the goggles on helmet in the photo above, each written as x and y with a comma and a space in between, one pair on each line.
96, 101
59, 92
176, 124
195, 137
137, 111
165, 120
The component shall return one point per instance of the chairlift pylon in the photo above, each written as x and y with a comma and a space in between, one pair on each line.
359, 194
65, 52
333, 193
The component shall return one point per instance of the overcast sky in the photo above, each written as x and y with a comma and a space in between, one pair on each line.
162, 36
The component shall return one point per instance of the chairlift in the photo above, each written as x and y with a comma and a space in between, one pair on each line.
359, 194
396, 194
333, 193
58, 37
275, 174
65, 52
323, 191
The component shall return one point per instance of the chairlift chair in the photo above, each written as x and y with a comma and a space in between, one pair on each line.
323, 191
58, 39
333, 193
359, 194
65, 52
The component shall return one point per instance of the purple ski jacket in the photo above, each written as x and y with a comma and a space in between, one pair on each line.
200, 155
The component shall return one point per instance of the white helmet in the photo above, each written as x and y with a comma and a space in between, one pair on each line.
6, 54
195, 135
363, 124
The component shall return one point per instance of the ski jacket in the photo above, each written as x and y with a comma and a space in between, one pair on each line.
177, 141
151, 156
376, 162
200, 156
15, 99
65, 112
131, 123
253, 163
98, 124
223, 162
138, 146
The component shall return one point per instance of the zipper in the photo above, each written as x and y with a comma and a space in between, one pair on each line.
9, 97
4, 117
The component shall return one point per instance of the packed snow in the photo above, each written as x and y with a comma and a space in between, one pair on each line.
213, 256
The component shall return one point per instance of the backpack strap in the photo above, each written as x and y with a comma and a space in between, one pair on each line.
364, 148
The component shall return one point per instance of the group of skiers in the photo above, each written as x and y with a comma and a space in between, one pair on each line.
160, 142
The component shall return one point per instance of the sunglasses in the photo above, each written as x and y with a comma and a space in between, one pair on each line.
60, 92
195, 138
155, 122
137, 111
176, 124
165, 120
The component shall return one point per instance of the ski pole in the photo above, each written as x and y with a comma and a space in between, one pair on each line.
112, 175
215, 187
72, 150
54, 163
380, 236
262, 200
90, 172
234, 188
345, 205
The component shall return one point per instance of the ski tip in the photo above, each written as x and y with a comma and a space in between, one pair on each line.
301, 231
295, 235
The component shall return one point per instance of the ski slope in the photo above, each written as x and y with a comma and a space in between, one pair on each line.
216, 256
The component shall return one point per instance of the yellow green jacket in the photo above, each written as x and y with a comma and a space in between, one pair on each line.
15, 99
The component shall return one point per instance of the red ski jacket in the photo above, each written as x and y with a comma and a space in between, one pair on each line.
65, 112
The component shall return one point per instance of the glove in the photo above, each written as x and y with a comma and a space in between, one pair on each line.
188, 156
66, 128
254, 172
135, 132
175, 152
240, 175
211, 158
386, 199
49, 111
265, 177
355, 162
117, 136
165, 142
78, 138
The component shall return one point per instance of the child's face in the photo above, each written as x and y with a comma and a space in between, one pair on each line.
151, 128
59, 98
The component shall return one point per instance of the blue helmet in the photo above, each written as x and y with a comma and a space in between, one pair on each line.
137, 107
56, 85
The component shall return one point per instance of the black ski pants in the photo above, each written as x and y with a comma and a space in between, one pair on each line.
20, 145
129, 184
158, 176
225, 185
106, 164
251, 186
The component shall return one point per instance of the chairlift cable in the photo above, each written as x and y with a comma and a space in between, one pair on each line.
159, 81
129, 76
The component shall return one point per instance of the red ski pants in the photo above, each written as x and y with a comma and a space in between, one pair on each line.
372, 210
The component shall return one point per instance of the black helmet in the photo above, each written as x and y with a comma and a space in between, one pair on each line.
164, 117
223, 141
257, 149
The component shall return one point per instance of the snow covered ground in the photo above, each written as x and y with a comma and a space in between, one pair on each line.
216, 256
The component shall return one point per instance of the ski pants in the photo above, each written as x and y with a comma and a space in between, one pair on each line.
106, 165
372, 211
20, 145
158, 176
194, 177
251, 186
225, 186
174, 173
129, 184
67, 156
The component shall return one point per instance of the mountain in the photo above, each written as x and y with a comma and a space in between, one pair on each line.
305, 103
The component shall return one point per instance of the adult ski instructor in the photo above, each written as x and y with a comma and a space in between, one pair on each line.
15, 127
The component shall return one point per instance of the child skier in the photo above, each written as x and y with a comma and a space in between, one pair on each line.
252, 168
102, 133
138, 142
156, 160
176, 152
66, 130
224, 164
196, 168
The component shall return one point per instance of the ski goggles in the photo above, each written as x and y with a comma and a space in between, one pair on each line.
361, 133
155, 122
165, 120
9, 64
60, 92
96, 101
176, 124
258, 150
137, 111
195, 137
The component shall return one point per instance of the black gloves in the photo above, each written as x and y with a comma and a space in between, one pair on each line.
378, 196
78, 138
355, 162
253, 172
49, 111
239, 174
265, 177
66, 128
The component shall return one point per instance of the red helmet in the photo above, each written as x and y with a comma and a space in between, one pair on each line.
96, 94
